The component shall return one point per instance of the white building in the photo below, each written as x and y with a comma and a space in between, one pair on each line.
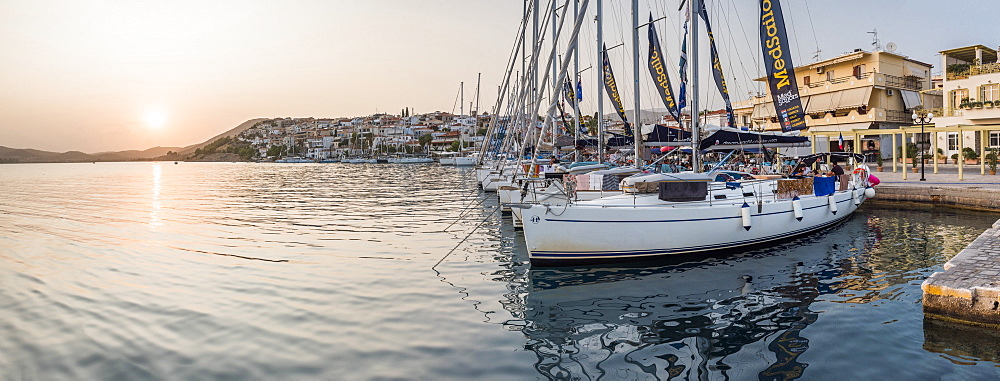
971, 86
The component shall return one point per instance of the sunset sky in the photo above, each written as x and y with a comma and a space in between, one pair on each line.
102, 75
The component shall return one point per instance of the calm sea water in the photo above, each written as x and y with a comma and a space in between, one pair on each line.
301, 271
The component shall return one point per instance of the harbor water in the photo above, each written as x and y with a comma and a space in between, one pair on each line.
153, 270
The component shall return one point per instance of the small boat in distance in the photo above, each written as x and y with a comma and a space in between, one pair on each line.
294, 159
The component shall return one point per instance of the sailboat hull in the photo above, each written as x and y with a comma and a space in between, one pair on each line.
582, 233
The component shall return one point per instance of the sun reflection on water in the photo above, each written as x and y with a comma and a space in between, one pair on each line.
154, 213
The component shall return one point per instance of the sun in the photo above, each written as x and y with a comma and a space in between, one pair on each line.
155, 119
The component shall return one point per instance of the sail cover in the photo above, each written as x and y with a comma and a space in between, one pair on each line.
612, 88
729, 138
779, 67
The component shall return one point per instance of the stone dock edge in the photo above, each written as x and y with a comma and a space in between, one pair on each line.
968, 290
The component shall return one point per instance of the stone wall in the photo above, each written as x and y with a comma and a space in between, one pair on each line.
966, 198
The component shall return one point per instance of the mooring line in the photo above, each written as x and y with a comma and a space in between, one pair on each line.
465, 211
488, 216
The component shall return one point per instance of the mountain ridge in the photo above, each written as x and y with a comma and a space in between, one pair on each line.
30, 155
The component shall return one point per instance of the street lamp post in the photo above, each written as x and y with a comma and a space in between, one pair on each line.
922, 119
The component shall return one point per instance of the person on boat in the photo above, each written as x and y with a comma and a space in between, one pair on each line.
802, 170
838, 172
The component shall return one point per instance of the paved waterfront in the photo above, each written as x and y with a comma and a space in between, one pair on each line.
946, 177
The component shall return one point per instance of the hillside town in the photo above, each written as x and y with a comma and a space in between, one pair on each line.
378, 134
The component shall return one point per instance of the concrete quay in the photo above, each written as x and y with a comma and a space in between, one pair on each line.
968, 291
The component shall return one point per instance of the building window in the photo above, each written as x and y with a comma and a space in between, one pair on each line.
994, 138
859, 70
990, 92
805, 80
957, 97
829, 75
953, 141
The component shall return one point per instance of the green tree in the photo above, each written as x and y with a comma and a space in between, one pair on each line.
424, 140
455, 145
276, 151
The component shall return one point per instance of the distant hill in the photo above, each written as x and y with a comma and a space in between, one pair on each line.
231, 133
27, 155
648, 116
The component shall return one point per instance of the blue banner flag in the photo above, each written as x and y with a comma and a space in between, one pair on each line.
779, 68
659, 73
568, 92
720, 80
612, 89
579, 91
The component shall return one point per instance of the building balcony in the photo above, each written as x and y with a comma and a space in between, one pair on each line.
963, 73
844, 117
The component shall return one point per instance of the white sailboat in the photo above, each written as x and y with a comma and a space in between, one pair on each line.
689, 213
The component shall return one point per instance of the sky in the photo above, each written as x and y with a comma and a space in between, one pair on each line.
106, 75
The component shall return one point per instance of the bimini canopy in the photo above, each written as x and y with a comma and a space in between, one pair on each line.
660, 136
730, 138
667, 136
808, 160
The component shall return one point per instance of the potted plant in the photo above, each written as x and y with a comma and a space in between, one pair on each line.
913, 163
878, 162
966, 103
954, 157
970, 156
988, 104
977, 104
991, 160
941, 158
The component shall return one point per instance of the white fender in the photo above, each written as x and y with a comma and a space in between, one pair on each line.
797, 208
745, 213
870, 192
833, 204
856, 195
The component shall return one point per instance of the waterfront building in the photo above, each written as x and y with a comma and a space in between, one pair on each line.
854, 91
971, 87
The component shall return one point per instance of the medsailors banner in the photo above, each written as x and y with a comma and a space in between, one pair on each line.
720, 80
612, 88
568, 92
779, 67
659, 73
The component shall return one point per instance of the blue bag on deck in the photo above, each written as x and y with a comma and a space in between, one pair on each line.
824, 185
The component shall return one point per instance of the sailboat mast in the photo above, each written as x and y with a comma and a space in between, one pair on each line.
461, 112
576, 79
636, 123
475, 114
599, 94
555, 62
693, 7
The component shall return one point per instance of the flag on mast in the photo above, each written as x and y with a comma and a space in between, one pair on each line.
611, 87
682, 101
659, 73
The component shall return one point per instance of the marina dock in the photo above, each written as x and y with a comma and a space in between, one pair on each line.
968, 291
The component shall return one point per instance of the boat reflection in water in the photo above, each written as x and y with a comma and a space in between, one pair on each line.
682, 321
741, 316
